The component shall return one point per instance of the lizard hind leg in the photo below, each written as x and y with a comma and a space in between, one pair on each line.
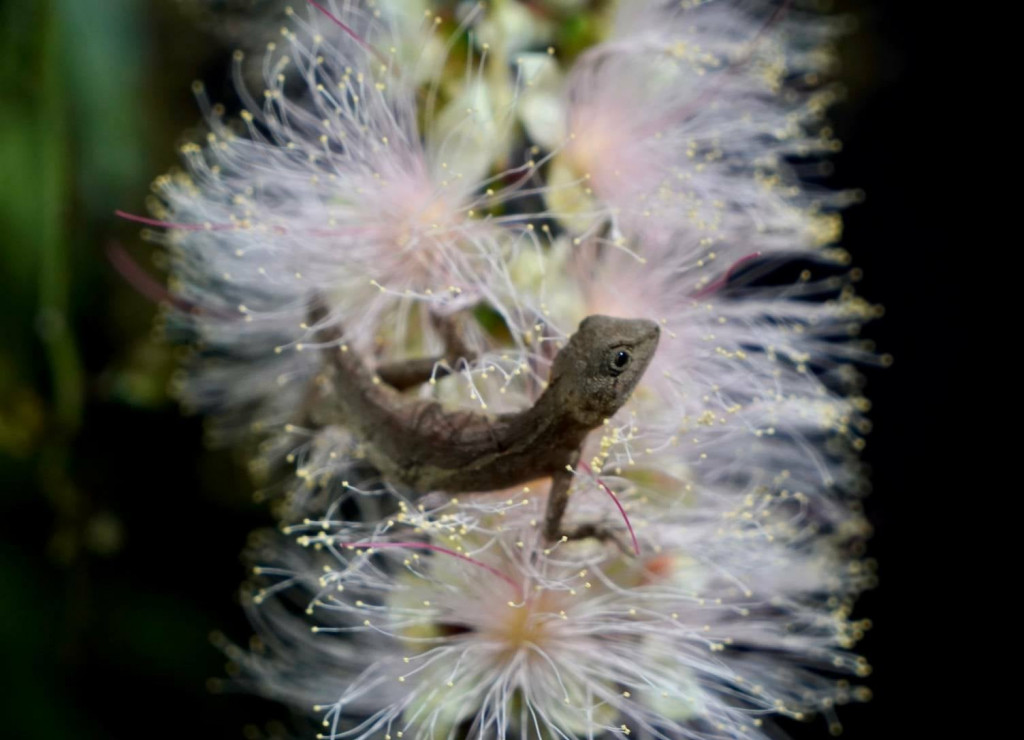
410, 373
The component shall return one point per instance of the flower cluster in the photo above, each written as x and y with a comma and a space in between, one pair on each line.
461, 169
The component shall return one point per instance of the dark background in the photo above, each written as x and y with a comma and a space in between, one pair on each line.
120, 533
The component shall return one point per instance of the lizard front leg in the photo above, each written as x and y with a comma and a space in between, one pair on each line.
558, 500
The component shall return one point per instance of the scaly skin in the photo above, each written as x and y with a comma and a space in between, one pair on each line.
419, 444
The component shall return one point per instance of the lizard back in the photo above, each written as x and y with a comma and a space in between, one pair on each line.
420, 444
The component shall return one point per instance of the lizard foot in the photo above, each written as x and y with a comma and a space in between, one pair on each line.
598, 532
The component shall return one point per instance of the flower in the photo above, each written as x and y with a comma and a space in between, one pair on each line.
460, 621
683, 120
331, 192
670, 187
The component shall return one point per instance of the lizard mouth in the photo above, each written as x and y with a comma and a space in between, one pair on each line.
649, 333
653, 332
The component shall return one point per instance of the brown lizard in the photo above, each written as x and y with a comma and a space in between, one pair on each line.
419, 444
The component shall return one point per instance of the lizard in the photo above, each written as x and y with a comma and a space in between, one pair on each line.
420, 444
405, 374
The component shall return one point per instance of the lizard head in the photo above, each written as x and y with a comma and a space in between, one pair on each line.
597, 370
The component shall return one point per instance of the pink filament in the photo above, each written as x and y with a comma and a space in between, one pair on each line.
436, 548
711, 288
348, 29
138, 278
618, 504
171, 225
149, 288
228, 227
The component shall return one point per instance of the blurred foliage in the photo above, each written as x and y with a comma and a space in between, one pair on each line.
119, 534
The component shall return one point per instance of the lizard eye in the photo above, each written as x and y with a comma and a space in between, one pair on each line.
620, 360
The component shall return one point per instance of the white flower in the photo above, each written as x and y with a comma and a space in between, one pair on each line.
750, 380
671, 181
460, 622
330, 191
681, 121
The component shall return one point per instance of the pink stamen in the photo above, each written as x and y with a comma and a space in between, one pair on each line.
618, 504
171, 225
436, 548
228, 227
147, 287
141, 280
711, 288
349, 30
